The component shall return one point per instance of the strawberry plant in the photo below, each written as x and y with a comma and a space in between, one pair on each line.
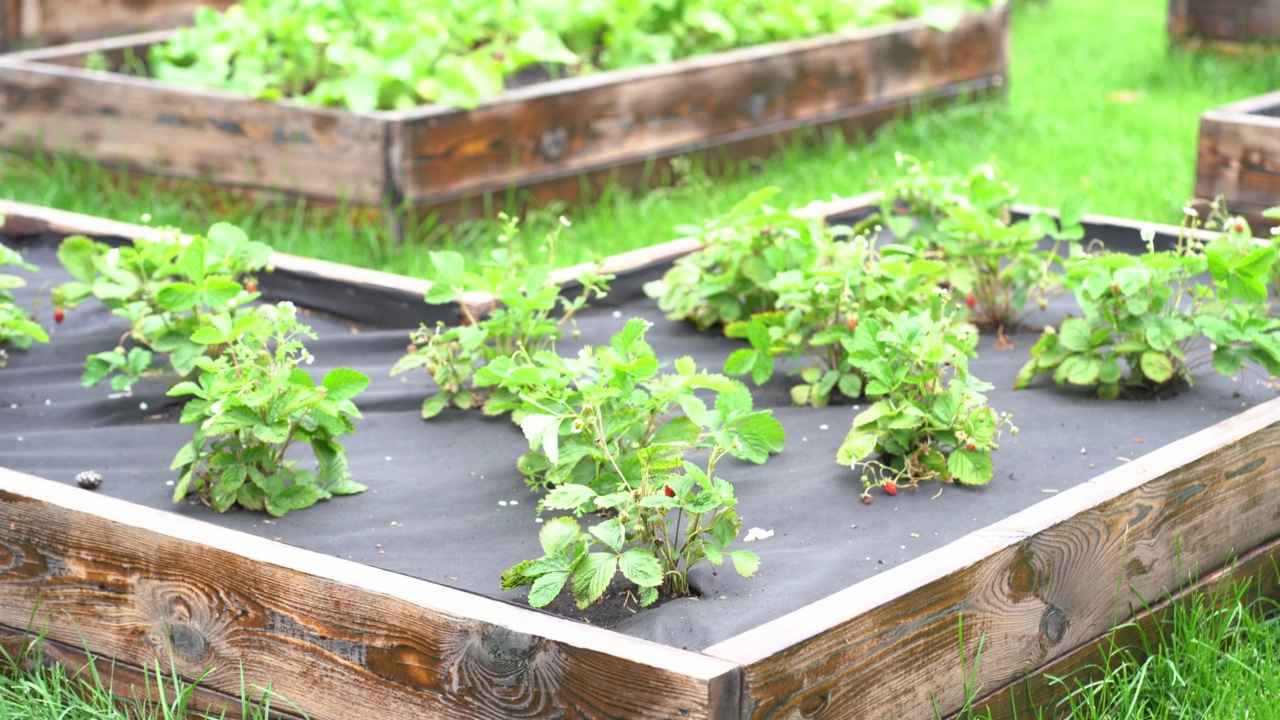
1149, 320
17, 328
997, 264
817, 312
167, 287
610, 434
929, 419
744, 250
394, 54
527, 310
592, 420
657, 531
251, 404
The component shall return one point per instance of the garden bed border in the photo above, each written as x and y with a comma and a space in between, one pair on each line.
1233, 26
556, 140
1035, 590
1238, 157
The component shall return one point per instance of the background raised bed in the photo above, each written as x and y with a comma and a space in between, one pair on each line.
1225, 22
30, 22
552, 140
1239, 157
869, 631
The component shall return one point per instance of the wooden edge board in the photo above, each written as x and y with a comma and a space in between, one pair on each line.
23, 218
1035, 585
756, 53
762, 641
1250, 105
1046, 683
85, 47
139, 584
111, 82
964, 562
126, 682
752, 54
948, 92
1239, 118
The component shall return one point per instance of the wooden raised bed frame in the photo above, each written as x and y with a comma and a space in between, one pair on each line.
1037, 591
1226, 24
27, 22
1238, 157
554, 141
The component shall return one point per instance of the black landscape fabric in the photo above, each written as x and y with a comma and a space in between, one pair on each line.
446, 502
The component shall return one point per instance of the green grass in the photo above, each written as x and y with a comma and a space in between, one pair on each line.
1097, 104
1220, 660
31, 691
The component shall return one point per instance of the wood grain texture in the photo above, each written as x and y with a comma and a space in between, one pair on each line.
581, 125
1232, 21
340, 639
130, 685
55, 21
714, 157
560, 140
1029, 589
1043, 687
1238, 157
205, 134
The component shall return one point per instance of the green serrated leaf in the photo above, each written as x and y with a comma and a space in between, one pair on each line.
592, 576
972, 467
546, 588
640, 567
744, 562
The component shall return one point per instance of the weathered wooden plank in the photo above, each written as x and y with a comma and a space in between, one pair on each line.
1029, 588
199, 134
127, 683
1233, 21
340, 639
561, 139
714, 157
1043, 687
585, 124
54, 21
1238, 157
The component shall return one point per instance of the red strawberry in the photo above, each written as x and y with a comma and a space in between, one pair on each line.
251, 285
59, 315
852, 322
667, 489
1239, 226
970, 446
970, 300
891, 488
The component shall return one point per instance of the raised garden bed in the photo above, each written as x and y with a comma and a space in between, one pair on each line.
551, 140
1225, 23
1096, 509
1238, 157
27, 22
